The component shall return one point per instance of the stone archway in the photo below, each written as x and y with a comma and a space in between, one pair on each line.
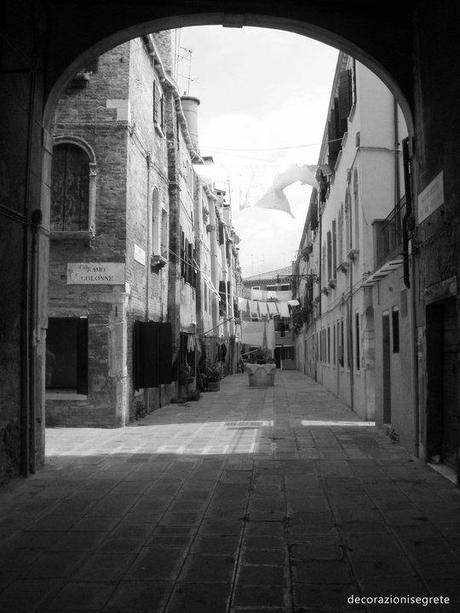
76, 33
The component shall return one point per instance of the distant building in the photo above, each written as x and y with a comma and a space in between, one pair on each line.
271, 293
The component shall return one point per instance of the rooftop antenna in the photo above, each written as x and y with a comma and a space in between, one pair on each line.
185, 56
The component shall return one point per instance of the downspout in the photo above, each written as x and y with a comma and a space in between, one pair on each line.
36, 220
318, 340
396, 148
408, 219
350, 318
148, 159
27, 408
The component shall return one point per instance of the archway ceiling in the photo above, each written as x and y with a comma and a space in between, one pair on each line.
379, 34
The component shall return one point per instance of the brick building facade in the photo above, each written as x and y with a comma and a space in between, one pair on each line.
127, 297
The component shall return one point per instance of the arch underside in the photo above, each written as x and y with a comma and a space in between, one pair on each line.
380, 41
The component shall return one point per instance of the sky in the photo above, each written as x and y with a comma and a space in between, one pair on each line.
264, 97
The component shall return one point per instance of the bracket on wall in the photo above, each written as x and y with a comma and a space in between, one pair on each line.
157, 262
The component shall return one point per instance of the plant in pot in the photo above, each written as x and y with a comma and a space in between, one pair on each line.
213, 377
261, 356
185, 374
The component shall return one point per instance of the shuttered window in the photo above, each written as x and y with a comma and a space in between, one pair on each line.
395, 329
345, 98
358, 342
69, 188
329, 255
334, 249
67, 354
152, 354
182, 255
156, 103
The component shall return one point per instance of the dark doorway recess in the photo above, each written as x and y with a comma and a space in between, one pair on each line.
443, 411
386, 370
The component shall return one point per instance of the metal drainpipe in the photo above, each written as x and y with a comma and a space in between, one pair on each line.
27, 409
408, 178
350, 317
36, 219
148, 159
320, 215
396, 145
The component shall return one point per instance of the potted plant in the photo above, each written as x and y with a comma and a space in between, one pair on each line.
213, 377
185, 374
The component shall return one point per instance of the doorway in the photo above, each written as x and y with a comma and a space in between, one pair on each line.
386, 368
443, 412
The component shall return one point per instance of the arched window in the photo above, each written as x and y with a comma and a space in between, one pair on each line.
70, 188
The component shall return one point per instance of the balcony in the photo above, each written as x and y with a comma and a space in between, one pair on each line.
388, 244
388, 235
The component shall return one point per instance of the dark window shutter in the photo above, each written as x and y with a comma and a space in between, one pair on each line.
70, 188
182, 254
190, 263
344, 99
162, 112
334, 249
152, 354
329, 255
194, 269
82, 356
221, 233
156, 103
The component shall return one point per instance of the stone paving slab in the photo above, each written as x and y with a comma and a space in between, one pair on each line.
247, 501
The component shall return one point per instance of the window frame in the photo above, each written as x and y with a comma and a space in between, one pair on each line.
92, 187
82, 359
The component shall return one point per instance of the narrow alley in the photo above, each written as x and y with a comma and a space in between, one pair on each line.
264, 500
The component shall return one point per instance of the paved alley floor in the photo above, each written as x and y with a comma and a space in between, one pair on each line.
249, 500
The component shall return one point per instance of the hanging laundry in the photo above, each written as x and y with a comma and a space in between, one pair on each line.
270, 334
298, 172
252, 333
275, 199
190, 342
254, 308
283, 309
243, 306
273, 308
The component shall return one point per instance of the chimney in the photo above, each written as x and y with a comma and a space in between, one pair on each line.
190, 108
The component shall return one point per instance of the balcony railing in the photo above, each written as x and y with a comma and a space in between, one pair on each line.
389, 234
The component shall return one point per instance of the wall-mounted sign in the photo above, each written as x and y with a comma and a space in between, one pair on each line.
139, 254
95, 273
431, 198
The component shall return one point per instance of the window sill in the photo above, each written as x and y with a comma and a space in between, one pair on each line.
62, 235
65, 395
